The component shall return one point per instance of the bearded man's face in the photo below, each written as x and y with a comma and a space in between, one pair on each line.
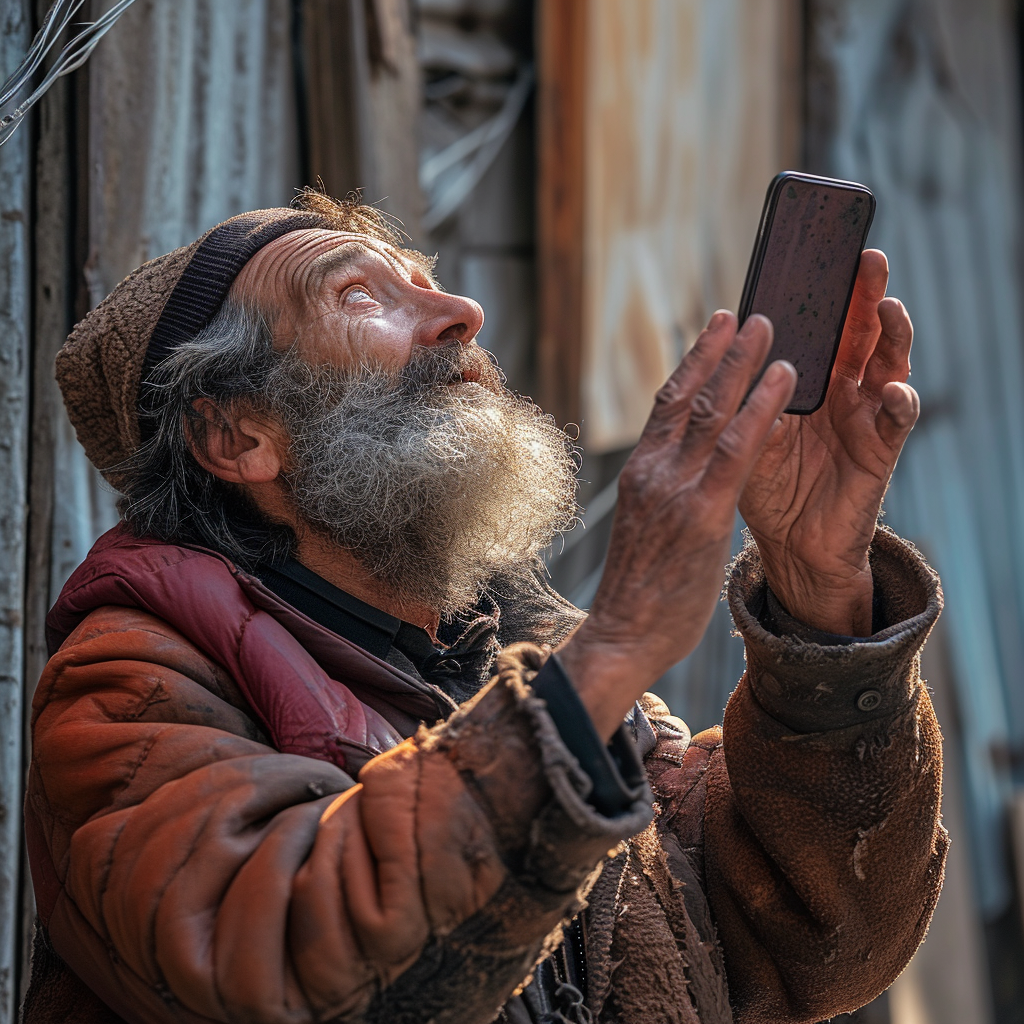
405, 448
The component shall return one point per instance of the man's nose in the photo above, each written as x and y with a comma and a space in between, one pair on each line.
453, 318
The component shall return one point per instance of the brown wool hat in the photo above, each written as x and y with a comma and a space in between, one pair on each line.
163, 304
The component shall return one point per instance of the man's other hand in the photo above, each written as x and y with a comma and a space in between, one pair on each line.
674, 520
814, 495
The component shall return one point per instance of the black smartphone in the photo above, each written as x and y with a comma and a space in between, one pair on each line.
802, 272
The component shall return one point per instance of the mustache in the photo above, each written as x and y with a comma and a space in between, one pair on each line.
448, 364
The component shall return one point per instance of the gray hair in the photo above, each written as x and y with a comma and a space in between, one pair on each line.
168, 495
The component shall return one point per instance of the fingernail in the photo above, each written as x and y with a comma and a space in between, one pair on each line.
757, 318
719, 319
778, 370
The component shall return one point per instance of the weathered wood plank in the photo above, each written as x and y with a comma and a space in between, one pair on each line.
362, 90
562, 106
395, 99
52, 292
15, 34
337, 85
661, 123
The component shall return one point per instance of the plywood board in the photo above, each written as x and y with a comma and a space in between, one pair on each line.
691, 110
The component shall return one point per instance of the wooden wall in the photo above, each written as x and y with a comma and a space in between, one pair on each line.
122, 161
362, 101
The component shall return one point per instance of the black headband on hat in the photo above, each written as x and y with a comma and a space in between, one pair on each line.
207, 279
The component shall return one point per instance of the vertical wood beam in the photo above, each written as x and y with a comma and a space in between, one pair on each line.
362, 95
336, 88
53, 291
15, 35
821, 86
792, 74
562, 45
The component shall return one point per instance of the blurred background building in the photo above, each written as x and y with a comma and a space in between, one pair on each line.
592, 172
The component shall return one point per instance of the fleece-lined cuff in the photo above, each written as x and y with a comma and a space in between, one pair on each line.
506, 739
812, 681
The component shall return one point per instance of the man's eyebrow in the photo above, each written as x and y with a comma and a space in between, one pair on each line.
331, 262
350, 252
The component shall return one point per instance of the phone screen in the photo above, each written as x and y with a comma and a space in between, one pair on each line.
802, 273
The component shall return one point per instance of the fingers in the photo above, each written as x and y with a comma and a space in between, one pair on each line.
890, 360
862, 327
711, 380
897, 414
695, 420
740, 442
716, 403
672, 403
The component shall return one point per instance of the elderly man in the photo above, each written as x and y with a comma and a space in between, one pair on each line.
317, 741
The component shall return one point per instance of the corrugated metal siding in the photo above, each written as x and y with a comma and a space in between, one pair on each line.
15, 33
192, 119
918, 100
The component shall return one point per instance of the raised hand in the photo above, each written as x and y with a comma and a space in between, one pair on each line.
814, 495
674, 520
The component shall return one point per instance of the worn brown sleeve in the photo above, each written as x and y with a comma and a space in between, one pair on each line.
824, 851
186, 871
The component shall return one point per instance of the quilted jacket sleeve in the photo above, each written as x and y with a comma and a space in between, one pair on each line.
819, 834
186, 871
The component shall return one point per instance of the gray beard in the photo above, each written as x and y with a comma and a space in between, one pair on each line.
432, 483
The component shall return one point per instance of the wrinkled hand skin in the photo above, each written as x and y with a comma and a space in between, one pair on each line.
674, 519
814, 495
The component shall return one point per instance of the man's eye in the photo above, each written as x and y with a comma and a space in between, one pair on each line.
357, 293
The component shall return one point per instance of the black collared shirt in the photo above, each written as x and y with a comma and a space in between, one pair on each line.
367, 627
615, 771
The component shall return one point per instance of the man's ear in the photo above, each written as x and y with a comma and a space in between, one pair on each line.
237, 448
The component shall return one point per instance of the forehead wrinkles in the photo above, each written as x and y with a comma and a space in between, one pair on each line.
351, 252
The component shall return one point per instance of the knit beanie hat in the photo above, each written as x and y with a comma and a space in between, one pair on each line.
166, 302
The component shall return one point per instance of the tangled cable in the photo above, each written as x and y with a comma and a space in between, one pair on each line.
73, 56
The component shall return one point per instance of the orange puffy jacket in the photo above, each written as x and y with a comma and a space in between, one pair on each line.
235, 815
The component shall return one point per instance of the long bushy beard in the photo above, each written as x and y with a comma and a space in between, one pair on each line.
432, 482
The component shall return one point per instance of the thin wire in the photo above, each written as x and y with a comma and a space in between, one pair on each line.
72, 57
